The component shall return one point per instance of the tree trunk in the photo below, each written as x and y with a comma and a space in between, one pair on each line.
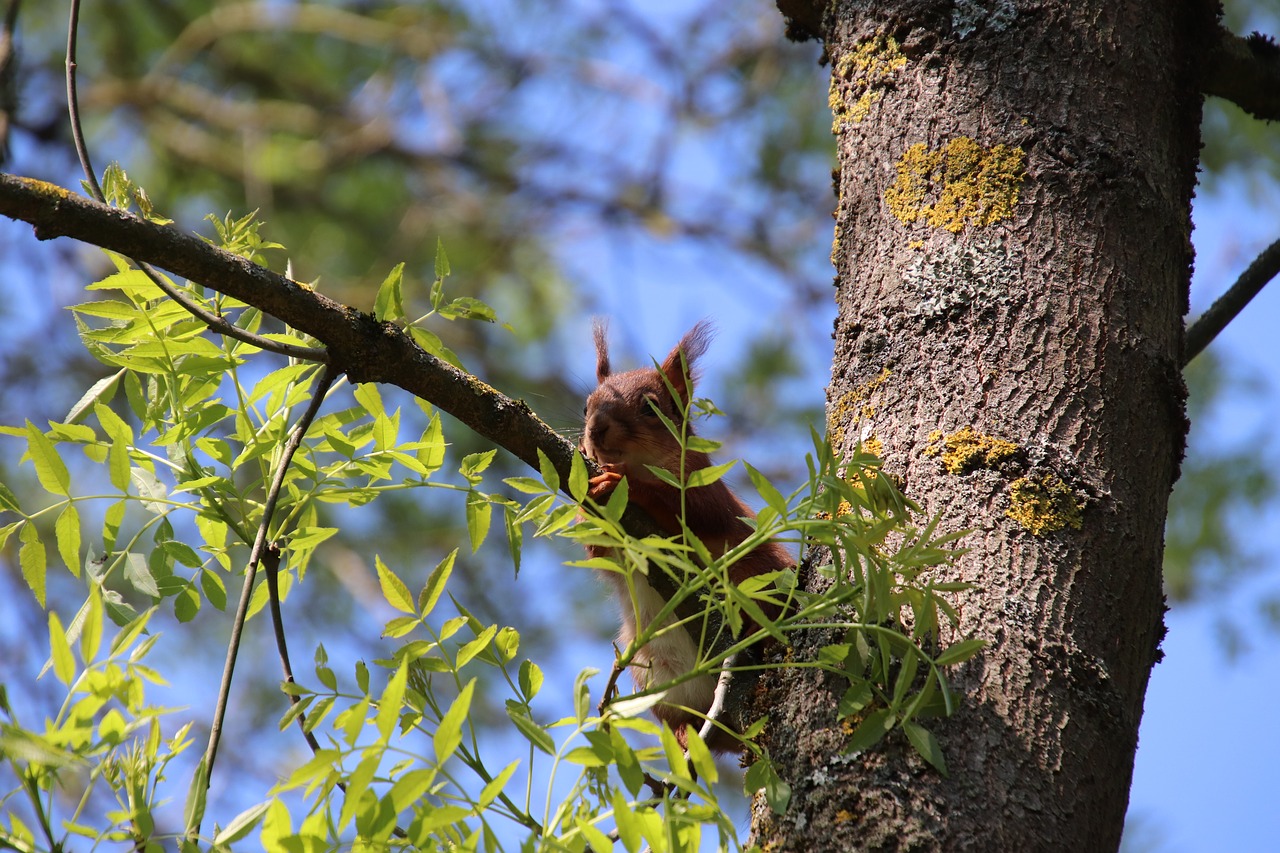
1012, 253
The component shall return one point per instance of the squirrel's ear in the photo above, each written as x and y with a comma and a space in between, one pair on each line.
600, 328
679, 364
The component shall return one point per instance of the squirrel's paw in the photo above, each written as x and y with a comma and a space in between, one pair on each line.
603, 484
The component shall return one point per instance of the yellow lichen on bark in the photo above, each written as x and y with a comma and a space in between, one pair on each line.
1044, 505
968, 450
860, 77
45, 188
956, 185
853, 407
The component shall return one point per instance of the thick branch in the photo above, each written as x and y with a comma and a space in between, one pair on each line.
1246, 72
368, 351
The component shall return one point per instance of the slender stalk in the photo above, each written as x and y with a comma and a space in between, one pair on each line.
1250, 283
215, 322
255, 558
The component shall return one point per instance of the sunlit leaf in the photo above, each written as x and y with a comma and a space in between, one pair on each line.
50, 469
449, 733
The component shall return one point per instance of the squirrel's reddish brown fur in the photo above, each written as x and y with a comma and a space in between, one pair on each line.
623, 434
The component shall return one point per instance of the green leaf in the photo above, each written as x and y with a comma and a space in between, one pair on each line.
530, 680
8, 500
138, 573
494, 787
50, 469
197, 794
548, 471
475, 464
31, 557
389, 304
479, 516
925, 744
111, 521
476, 646
582, 695
91, 629
442, 260
449, 734
368, 396
410, 788
151, 490
507, 644
579, 482
763, 775
430, 342
772, 497
626, 821
64, 663
241, 825
118, 464
700, 755
634, 706
67, 531
389, 705
435, 584
533, 732
432, 446
709, 475
870, 731
394, 590
186, 604
960, 652
467, 308
99, 393
215, 592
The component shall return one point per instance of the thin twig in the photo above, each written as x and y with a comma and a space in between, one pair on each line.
255, 557
723, 685
215, 322
271, 562
1209, 324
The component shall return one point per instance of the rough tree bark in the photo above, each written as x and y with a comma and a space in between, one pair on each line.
1012, 255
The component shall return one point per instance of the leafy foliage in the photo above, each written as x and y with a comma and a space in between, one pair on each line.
185, 436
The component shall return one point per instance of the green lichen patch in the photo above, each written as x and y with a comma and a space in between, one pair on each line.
1044, 505
968, 450
978, 274
956, 185
860, 78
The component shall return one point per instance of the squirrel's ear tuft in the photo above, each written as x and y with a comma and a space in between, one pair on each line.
600, 329
679, 364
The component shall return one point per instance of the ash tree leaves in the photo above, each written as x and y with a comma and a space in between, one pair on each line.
171, 453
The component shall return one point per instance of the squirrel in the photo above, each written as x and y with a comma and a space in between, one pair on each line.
623, 434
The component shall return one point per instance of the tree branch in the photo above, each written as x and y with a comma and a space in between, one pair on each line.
1209, 324
365, 349
1246, 72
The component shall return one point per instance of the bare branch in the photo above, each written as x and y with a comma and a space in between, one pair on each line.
260, 545
1246, 72
1209, 324
365, 349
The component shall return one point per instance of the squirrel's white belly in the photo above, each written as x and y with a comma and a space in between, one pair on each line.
667, 656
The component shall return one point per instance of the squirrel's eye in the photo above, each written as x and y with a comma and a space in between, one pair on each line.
651, 406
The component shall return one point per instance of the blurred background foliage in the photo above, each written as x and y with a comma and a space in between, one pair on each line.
657, 162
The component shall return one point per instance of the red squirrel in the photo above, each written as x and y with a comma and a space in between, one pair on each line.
623, 434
